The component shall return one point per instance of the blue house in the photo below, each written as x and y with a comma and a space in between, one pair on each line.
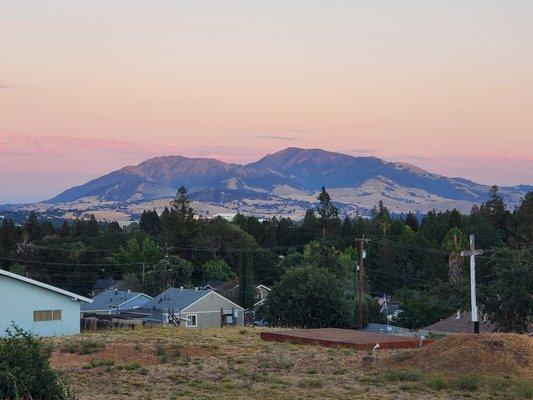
113, 301
37, 307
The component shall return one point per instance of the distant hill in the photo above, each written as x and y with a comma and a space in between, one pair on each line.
283, 183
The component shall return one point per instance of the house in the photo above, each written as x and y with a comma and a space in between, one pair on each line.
460, 322
113, 301
261, 293
192, 308
37, 307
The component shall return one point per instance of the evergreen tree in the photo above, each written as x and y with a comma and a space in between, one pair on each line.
496, 211
327, 212
507, 299
523, 232
32, 226
412, 222
92, 226
150, 222
64, 231
246, 284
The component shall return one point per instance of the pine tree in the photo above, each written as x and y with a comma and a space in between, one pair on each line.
32, 226
93, 227
327, 212
412, 222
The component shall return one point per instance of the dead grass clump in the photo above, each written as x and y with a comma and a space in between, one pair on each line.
487, 354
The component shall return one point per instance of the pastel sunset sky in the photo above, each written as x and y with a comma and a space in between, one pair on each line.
87, 87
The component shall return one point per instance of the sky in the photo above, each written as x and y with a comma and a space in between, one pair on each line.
89, 87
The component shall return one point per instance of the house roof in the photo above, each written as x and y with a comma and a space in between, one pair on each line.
460, 322
46, 286
176, 298
112, 299
179, 299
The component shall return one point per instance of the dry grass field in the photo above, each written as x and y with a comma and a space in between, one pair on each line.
233, 363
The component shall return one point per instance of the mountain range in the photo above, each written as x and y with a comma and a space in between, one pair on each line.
283, 183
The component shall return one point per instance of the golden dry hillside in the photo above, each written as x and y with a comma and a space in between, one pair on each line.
233, 363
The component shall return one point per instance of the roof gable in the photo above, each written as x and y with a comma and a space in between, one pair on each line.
176, 299
46, 286
112, 299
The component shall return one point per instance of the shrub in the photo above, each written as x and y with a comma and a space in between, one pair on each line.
524, 389
25, 371
467, 383
403, 375
131, 366
311, 383
102, 363
82, 346
435, 382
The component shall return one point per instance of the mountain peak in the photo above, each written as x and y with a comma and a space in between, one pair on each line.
298, 170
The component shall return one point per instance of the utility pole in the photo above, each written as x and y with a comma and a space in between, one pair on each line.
360, 276
472, 253
167, 265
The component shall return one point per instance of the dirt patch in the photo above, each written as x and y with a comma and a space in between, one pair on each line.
487, 354
120, 353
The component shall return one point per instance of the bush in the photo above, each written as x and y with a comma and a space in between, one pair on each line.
82, 346
403, 375
524, 389
25, 370
435, 382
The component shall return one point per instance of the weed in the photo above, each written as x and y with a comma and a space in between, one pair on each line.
82, 346
101, 363
409, 386
284, 363
403, 375
523, 389
435, 382
466, 383
311, 383
131, 366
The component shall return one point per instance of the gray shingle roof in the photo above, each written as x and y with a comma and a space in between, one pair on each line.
109, 299
461, 323
176, 299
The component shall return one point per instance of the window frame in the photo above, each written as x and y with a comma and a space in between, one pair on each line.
47, 315
189, 320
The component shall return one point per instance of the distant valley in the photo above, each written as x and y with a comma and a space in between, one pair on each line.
281, 184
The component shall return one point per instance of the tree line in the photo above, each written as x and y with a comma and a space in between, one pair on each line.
310, 264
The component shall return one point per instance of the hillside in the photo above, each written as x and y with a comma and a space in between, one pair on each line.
283, 184
233, 363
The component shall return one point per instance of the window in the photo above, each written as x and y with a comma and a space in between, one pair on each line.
46, 315
191, 320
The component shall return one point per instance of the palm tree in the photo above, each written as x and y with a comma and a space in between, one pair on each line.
454, 242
